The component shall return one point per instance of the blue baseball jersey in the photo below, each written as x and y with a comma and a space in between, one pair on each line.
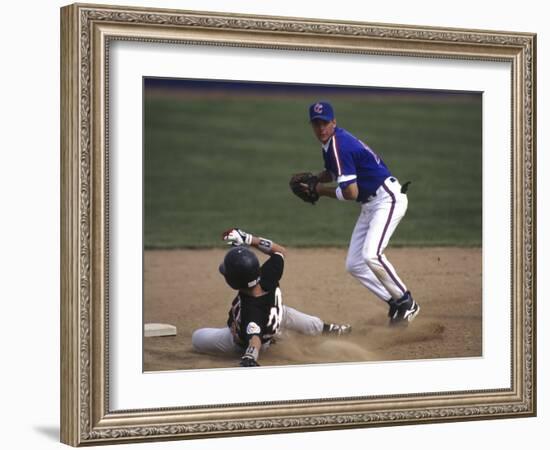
350, 160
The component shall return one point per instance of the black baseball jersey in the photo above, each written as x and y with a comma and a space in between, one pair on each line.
262, 315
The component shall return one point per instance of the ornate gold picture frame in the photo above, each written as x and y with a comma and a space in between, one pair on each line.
87, 32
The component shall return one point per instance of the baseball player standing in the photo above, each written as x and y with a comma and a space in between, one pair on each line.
362, 176
257, 313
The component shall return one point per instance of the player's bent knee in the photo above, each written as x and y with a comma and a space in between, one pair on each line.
353, 267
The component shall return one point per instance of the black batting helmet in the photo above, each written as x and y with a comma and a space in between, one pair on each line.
241, 268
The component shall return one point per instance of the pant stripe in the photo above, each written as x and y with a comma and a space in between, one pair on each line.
379, 255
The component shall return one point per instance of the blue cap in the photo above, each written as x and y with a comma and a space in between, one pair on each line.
321, 110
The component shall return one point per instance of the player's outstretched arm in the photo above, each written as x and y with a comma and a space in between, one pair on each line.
236, 237
250, 356
267, 246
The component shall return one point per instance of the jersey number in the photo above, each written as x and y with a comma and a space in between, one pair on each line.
276, 312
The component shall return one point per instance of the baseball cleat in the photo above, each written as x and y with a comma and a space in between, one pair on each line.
336, 330
403, 311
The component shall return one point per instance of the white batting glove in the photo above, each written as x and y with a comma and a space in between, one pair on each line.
236, 237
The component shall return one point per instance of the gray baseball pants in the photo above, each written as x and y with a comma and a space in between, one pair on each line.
220, 340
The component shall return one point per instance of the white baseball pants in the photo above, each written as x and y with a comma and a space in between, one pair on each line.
220, 340
378, 220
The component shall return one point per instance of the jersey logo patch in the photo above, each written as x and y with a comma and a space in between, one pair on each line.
253, 328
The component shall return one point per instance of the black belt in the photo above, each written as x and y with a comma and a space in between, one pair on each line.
369, 198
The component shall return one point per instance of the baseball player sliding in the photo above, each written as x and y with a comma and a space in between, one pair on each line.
361, 176
257, 313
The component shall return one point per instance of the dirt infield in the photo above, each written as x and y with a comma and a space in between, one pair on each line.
184, 288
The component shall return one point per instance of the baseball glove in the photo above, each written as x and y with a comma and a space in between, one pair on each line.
303, 185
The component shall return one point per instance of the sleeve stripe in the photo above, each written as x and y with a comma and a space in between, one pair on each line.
335, 149
280, 254
344, 178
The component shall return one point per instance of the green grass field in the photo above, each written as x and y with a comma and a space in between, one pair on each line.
219, 161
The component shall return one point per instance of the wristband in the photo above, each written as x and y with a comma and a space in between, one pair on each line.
265, 245
252, 353
339, 194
